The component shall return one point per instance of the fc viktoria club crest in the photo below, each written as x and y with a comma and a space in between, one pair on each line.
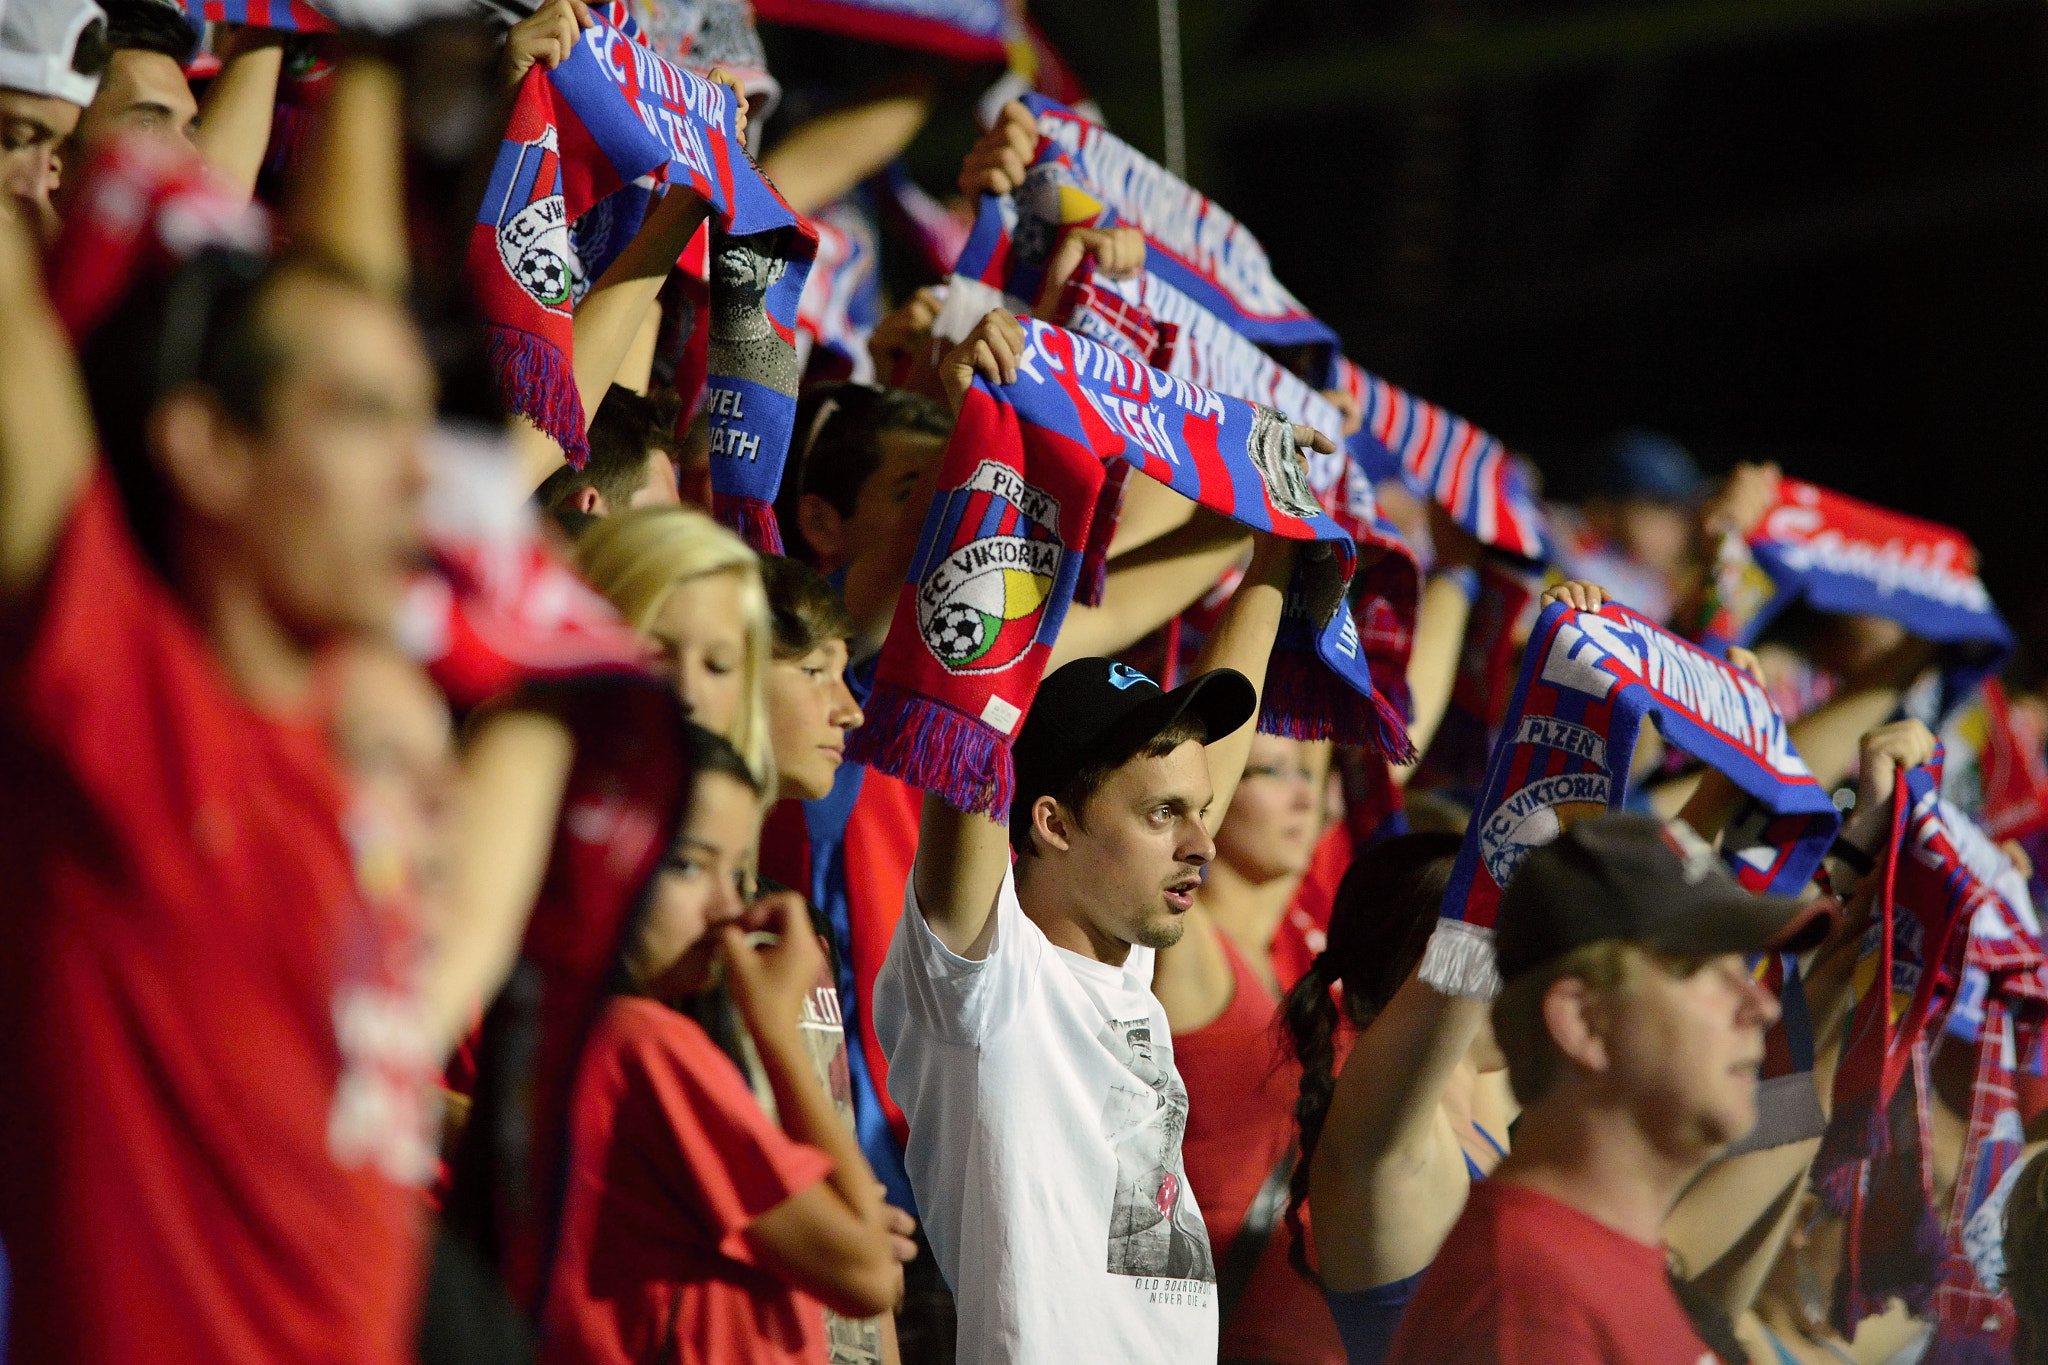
995, 562
533, 223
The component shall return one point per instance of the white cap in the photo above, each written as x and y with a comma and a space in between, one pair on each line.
39, 42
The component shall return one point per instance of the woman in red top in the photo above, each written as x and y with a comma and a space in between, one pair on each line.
1220, 997
693, 1228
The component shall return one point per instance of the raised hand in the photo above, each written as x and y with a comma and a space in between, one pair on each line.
720, 76
997, 163
1887, 751
546, 37
770, 983
1347, 403
904, 335
1578, 595
991, 350
1742, 500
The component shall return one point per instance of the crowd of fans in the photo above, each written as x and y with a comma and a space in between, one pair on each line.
445, 921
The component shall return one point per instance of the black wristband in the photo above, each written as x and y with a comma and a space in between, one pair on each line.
1861, 863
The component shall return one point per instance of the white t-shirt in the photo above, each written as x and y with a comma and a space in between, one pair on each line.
1045, 1132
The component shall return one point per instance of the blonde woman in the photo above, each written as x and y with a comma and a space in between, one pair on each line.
693, 590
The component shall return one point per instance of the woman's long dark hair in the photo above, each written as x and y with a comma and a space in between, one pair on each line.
1379, 924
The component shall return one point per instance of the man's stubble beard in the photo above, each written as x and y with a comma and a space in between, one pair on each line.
1157, 933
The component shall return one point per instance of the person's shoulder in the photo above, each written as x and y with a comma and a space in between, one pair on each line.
635, 1027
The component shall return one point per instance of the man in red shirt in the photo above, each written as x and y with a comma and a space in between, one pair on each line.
1633, 1032
193, 991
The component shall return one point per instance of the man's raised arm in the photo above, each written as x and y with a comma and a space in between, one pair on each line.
46, 437
961, 859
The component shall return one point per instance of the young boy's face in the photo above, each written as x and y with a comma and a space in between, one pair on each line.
884, 498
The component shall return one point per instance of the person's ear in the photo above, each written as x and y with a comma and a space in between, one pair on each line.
1049, 822
204, 457
588, 499
1572, 1012
824, 529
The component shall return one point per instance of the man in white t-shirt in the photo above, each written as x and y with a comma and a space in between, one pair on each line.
1024, 1043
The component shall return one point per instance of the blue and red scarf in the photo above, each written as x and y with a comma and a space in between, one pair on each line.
1973, 1314
1002, 549
1964, 958
969, 30
611, 114
289, 16
1206, 303
1838, 554
842, 299
1465, 470
1940, 872
1205, 274
1589, 679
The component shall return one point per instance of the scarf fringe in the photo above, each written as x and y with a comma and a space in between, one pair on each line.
1304, 699
1858, 1133
537, 381
929, 745
1459, 961
753, 519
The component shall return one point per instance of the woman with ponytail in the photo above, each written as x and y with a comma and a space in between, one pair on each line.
1392, 1141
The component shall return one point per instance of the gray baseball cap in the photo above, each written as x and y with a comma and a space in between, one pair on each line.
54, 48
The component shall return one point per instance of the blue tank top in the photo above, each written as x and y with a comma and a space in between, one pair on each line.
1367, 1318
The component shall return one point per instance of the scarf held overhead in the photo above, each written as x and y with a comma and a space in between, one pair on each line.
1207, 300
1844, 556
968, 30
1000, 557
611, 114
1589, 679
1940, 873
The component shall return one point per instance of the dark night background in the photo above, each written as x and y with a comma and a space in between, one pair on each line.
1802, 230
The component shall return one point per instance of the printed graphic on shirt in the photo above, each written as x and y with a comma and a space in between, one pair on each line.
1154, 1230
848, 1341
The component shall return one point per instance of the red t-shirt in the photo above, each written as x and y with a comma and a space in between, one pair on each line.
180, 935
1526, 1280
672, 1160
1241, 1092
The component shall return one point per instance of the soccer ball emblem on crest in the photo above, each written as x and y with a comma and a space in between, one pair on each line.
958, 633
533, 223
980, 599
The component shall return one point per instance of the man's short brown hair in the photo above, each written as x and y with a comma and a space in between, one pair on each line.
627, 426
1077, 791
1519, 1028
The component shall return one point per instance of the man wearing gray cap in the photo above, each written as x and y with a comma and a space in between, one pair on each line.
51, 55
1633, 1030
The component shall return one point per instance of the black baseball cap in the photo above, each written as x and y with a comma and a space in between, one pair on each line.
1091, 710
1622, 876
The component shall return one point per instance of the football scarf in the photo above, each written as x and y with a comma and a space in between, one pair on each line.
1942, 881
289, 16
967, 30
1973, 1315
1207, 300
610, 114
1205, 274
497, 606
1838, 554
842, 299
1466, 471
1589, 679
1002, 548
145, 206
